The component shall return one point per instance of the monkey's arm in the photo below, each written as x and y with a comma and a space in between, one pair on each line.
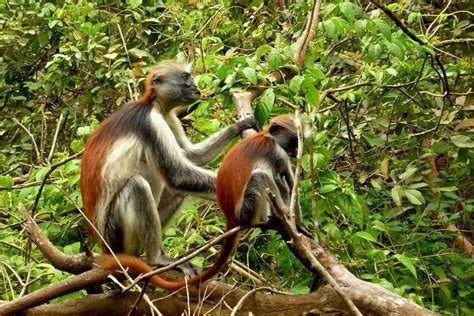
204, 152
179, 173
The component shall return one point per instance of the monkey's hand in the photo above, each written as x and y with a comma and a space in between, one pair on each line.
247, 123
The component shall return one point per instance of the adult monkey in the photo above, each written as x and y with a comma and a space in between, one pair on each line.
138, 153
254, 164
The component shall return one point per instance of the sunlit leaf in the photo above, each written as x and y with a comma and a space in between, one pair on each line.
415, 196
397, 193
462, 141
407, 262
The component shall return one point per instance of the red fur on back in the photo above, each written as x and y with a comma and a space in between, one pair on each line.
93, 160
235, 171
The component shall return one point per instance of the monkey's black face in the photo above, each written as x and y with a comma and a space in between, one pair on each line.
177, 88
189, 90
292, 147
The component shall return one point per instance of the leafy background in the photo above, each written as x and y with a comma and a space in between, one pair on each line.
392, 151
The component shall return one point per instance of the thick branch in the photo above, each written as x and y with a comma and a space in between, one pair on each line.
69, 263
307, 34
213, 299
76, 283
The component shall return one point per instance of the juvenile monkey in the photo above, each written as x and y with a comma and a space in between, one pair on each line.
140, 152
254, 164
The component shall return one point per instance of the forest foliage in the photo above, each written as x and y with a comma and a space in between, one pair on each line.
392, 142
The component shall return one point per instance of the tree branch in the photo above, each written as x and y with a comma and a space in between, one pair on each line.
398, 22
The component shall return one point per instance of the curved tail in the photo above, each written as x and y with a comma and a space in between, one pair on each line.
108, 262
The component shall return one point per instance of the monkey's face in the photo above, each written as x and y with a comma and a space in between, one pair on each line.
176, 89
289, 142
286, 138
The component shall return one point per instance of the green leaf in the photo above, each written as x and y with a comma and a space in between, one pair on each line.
415, 196
77, 145
262, 50
397, 193
418, 185
384, 29
261, 113
111, 55
462, 141
135, 3
408, 173
330, 28
170, 231
392, 72
448, 189
407, 262
275, 59
375, 51
373, 140
139, 53
440, 147
366, 236
312, 97
250, 74
6, 182
347, 9
360, 27
268, 99
457, 270
327, 188
295, 84
376, 183
396, 50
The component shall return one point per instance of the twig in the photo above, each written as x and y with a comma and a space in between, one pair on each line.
139, 298
288, 104
243, 270
454, 41
45, 178
135, 92
35, 145
55, 138
299, 154
313, 191
241, 301
78, 282
398, 22
434, 21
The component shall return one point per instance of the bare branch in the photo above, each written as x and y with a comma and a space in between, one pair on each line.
398, 22
307, 34
68, 263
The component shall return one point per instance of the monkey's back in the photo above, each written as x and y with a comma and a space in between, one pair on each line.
102, 151
236, 169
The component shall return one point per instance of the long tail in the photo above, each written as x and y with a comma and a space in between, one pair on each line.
108, 262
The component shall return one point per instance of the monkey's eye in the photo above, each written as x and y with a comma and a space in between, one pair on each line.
157, 79
185, 76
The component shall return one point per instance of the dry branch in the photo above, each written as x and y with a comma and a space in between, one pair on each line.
68, 263
211, 299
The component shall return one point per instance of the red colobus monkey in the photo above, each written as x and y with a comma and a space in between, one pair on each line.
251, 166
139, 158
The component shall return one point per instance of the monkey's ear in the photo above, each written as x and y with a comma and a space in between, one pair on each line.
275, 129
189, 67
